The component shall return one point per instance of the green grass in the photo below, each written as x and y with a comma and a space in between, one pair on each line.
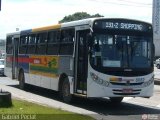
26, 110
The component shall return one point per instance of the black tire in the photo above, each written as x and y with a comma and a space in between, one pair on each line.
21, 80
65, 91
116, 100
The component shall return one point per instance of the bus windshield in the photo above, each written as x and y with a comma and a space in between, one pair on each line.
121, 51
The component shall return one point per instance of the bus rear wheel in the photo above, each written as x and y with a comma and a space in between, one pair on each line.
65, 91
116, 100
21, 80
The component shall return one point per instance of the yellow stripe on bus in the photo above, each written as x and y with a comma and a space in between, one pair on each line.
46, 28
44, 74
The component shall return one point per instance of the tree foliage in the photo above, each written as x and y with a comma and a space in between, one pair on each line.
78, 16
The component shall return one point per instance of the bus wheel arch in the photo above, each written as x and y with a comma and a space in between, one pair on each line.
64, 88
21, 79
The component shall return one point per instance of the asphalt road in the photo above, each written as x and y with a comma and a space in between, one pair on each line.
102, 109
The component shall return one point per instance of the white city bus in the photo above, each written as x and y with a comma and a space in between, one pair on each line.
96, 57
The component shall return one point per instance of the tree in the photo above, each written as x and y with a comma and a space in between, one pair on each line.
78, 16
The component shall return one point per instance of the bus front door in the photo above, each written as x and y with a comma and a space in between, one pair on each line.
81, 61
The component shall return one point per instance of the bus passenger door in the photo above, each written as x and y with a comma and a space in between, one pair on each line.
15, 57
81, 62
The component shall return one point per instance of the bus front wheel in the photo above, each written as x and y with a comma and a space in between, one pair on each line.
65, 91
21, 80
116, 100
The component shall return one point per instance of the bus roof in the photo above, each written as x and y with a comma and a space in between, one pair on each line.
24, 32
63, 25
46, 28
88, 21
14, 33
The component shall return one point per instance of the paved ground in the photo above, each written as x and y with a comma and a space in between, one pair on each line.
6, 84
21, 94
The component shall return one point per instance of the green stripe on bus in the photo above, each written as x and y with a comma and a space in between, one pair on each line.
44, 69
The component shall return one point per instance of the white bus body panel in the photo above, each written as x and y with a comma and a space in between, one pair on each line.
42, 81
99, 89
8, 71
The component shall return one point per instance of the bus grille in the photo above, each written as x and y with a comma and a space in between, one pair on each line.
122, 92
124, 84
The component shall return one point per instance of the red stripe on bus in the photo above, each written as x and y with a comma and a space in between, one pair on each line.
21, 60
25, 60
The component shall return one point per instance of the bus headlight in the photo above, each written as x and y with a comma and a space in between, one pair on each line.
98, 80
145, 84
94, 76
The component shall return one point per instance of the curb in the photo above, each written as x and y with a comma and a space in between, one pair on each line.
156, 81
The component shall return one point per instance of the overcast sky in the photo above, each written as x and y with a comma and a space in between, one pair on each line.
26, 14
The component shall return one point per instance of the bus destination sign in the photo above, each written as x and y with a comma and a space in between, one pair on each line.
122, 25
128, 26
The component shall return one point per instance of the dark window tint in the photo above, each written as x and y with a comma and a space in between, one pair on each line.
23, 44
67, 42
53, 42
31, 44
9, 45
41, 43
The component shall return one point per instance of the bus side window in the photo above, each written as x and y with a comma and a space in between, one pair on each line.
9, 44
67, 42
41, 43
23, 44
53, 42
31, 44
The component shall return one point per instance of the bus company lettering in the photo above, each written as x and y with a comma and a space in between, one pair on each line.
37, 61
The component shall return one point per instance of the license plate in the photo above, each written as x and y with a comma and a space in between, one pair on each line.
127, 90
